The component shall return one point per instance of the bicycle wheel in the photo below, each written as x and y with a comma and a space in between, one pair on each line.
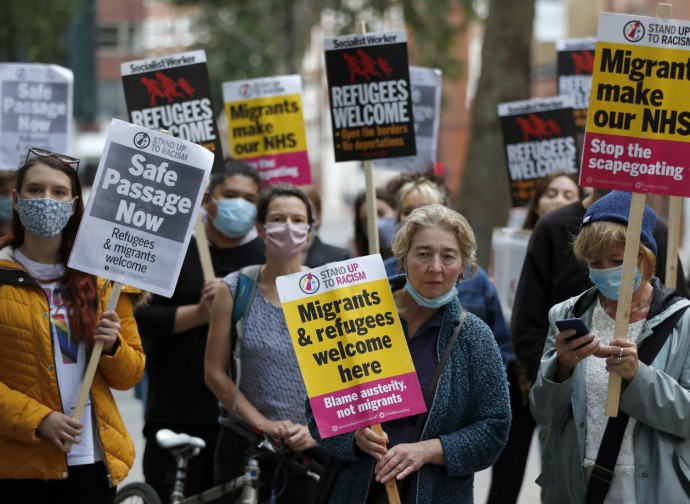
137, 493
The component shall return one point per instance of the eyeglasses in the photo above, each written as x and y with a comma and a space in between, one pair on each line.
35, 152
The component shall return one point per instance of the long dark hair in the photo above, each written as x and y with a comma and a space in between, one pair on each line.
361, 239
79, 289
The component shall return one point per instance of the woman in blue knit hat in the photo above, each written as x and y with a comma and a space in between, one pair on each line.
642, 455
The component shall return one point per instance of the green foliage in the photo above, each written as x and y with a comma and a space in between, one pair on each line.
33, 30
245, 39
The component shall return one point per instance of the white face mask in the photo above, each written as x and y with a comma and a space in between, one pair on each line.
547, 205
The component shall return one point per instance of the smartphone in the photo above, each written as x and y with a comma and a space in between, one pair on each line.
573, 323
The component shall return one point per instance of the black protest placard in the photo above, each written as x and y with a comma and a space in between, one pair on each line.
539, 138
370, 96
174, 93
575, 66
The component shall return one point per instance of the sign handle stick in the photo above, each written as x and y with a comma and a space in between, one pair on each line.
202, 246
372, 226
672, 242
373, 234
632, 245
93, 361
391, 485
201, 243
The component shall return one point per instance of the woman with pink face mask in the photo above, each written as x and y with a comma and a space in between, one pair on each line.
271, 392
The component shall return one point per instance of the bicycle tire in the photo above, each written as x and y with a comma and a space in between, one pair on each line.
137, 493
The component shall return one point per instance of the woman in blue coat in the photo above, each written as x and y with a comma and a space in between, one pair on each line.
469, 418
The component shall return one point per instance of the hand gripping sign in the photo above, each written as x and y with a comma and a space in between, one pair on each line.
350, 345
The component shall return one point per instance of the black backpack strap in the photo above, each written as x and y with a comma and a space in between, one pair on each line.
247, 281
603, 471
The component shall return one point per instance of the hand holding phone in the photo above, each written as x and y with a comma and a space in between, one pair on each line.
572, 323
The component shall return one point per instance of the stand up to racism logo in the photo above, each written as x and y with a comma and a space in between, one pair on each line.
174, 93
370, 96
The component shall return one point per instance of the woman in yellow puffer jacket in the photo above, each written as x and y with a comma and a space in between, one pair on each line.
50, 315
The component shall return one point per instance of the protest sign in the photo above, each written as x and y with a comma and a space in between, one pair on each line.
575, 64
266, 127
350, 345
508, 250
539, 138
142, 208
174, 93
638, 127
426, 106
36, 110
370, 96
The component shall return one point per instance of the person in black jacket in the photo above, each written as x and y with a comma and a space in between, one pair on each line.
174, 331
317, 252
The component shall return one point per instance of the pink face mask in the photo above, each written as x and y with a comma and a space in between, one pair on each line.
284, 239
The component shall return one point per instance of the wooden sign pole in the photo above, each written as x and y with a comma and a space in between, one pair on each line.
632, 245
93, 362
373, 238
201, 243
671, 278
202, 246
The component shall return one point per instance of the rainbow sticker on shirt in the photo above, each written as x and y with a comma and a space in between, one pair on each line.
68, 349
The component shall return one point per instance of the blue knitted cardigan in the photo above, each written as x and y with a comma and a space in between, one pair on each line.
470, 414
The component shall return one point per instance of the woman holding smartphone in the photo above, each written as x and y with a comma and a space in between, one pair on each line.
640, 456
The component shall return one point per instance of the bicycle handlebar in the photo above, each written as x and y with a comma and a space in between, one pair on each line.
267, 444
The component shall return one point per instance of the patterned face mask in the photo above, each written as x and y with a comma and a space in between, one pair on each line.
44, 217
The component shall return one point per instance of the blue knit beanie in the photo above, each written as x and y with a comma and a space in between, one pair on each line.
615, 207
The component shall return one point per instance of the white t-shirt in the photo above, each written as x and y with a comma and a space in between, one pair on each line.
70, 355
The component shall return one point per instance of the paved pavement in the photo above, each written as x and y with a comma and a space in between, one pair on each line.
132, 413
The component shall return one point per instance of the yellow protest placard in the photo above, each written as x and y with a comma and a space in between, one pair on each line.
350, 345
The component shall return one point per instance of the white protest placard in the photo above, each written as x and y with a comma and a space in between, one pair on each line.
426, 109
35, 110
508, 251
142, 208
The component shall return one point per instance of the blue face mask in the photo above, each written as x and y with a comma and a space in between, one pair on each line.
608, 281
5, 208
388, 226
235, 216
426, 302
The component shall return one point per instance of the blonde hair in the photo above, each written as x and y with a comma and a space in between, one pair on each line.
595, 241
444, 218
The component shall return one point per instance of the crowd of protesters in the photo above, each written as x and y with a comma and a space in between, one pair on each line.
488, 387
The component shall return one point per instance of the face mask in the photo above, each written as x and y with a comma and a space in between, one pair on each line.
284, 239
235, 216
608, 281
547, 205
5, 208
426, 302
388, 226
44, 217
